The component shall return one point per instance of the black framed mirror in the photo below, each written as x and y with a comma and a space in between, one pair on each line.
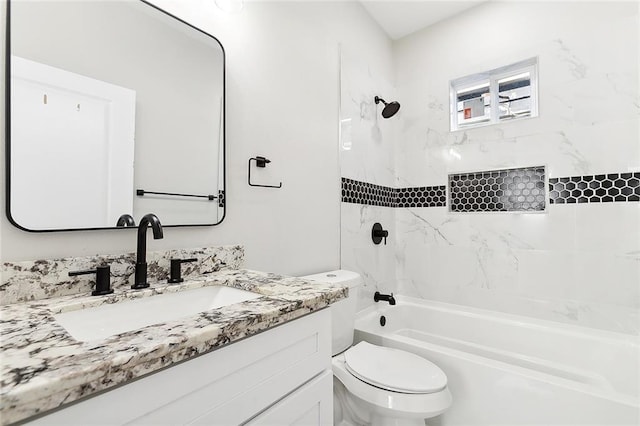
114, 109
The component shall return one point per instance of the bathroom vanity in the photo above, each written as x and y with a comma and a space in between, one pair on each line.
173, 358
265, 360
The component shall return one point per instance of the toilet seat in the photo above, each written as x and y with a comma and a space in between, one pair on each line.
393, 369
388, 402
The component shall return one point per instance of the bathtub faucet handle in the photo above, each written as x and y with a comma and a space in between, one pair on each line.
377, 234
377, 296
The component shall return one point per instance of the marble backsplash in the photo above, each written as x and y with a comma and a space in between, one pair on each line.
42, 279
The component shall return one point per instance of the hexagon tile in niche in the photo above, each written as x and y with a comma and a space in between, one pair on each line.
620, 187
507, 190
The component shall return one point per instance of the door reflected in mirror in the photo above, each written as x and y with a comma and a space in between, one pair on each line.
116, 110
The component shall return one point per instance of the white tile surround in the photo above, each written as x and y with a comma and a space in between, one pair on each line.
370, 154
370, 158
375, 263
577, 264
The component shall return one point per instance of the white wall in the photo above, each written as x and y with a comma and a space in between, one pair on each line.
577, 264
283, 100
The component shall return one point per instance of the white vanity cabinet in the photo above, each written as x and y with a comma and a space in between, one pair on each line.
310, 405
281, 376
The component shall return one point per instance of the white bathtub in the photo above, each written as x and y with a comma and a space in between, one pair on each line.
512, 370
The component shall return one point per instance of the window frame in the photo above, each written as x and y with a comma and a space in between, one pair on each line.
492, 77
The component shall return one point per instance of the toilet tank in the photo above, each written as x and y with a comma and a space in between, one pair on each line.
343, 312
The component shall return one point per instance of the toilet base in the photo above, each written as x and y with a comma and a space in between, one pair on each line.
388, 421
359, 403
349, 410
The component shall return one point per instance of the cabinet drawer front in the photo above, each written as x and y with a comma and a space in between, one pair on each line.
312, 404
232, 383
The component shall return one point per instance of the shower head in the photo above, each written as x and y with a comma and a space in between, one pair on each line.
389, 109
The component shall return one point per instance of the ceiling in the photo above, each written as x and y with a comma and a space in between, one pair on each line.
399, 18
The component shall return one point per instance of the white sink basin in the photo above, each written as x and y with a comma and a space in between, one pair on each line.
107, 320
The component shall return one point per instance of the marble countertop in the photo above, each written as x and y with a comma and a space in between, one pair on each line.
43, 367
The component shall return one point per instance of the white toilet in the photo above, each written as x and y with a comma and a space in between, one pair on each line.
374, 385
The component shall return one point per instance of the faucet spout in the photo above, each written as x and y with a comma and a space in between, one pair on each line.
141, 252
377, 297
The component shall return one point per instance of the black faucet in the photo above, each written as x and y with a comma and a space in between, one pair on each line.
125, 220
377, 296
141, 260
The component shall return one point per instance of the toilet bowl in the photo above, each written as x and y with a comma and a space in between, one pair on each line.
374, 385
395, 386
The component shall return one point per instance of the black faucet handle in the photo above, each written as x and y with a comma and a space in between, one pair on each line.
377, 234
103, 279
176, 270
125, 220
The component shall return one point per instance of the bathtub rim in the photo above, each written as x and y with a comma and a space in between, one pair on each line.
503, 317
367, 324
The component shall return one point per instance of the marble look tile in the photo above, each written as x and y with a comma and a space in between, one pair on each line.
366, 146
573, 264
375, 263
546, 274
573, 259
40, 279
595, 315
438, 272
606, 278
609, 227
43, 367
582, 109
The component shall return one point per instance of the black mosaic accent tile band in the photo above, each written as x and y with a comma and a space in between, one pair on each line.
424, 196
354, 191
620, 187
520, 189
506, 190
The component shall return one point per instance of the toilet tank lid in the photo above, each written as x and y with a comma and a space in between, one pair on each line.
341, 277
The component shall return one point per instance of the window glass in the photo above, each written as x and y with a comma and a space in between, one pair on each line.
495, 96
514, 96
474, 104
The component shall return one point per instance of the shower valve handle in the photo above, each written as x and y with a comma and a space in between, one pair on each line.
377, 234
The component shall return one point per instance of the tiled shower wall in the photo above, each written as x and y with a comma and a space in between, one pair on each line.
579, 261
366, 155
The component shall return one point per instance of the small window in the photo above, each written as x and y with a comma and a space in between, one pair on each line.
495, 96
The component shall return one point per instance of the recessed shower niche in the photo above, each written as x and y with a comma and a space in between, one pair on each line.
505, 190
118, 111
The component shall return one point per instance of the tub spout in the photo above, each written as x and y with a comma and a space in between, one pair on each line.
377, 296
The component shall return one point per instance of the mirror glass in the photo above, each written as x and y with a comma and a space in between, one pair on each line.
115, 110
